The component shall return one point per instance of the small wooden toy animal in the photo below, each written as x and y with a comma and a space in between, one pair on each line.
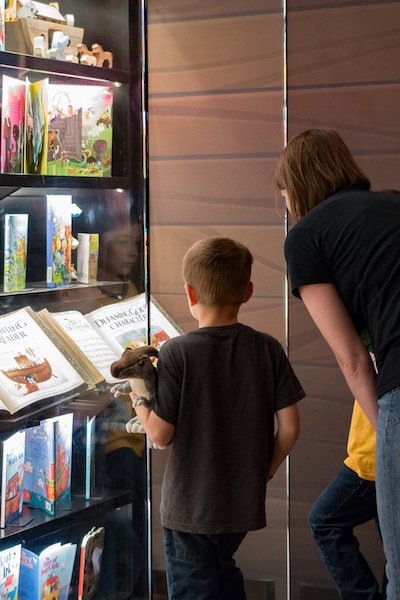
86, 56
102, 56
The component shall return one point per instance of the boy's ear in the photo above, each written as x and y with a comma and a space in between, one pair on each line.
191, 295
249, 292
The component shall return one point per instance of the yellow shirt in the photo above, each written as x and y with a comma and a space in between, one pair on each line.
361, 445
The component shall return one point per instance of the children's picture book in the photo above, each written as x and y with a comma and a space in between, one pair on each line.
12, 476
15, 252
36, 132
31, 366
12, 124
47, 575
39, 478
88, 253
58, 239
48, 463
10, 573
2, 26
80, 130
91, 552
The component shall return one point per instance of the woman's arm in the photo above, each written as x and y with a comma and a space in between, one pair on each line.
330, 315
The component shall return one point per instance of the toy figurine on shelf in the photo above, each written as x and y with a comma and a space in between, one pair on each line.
102, 56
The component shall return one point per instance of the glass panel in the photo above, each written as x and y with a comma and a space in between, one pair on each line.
72, 297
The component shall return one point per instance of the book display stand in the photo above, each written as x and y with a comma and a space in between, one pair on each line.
73, 294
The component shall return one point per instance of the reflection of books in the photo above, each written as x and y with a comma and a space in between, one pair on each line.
90, 563
15, 249
13, 457
47, 576
58, 239
48, 463
10, 573
31, 366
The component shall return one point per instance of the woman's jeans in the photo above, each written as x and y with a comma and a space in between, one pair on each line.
388, 486
201, 567
346, 502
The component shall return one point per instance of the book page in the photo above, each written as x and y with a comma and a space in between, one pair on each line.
124, 324
31, 367
89, 341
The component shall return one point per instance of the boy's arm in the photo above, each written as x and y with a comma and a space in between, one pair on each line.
285, 437
159, 431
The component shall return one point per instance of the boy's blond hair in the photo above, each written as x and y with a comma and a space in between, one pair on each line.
219, 270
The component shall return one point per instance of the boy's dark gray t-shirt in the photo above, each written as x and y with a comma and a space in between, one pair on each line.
220, 387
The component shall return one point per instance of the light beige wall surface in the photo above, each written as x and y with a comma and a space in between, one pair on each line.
215, 130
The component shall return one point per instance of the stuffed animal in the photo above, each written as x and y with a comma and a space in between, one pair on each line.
136, 367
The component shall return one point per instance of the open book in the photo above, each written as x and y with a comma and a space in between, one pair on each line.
31, 365
47, 354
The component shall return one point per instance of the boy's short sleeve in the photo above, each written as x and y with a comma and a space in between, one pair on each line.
288, 387
169, 385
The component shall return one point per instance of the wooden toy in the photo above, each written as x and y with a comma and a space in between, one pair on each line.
102, 56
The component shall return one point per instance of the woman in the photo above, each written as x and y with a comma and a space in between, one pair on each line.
343, 260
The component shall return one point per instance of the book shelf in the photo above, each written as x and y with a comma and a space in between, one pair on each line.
72, 137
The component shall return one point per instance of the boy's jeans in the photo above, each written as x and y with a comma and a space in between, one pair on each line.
388, 486
201, 567
345, 503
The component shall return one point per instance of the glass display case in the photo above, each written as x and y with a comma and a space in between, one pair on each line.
73, 295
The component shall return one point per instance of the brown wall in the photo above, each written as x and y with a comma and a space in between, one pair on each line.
215, 107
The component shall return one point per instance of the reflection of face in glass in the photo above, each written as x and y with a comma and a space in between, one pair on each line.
119, 251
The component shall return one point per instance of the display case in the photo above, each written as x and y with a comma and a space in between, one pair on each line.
73, 295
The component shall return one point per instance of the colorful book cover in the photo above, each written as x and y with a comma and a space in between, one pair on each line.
80, 130
13, 458
12, 124
31, 366
58, 240
47, 575
91, 552
15, 252
39, 480
2, 25
36, 130
10, 572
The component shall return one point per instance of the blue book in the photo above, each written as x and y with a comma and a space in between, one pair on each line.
39, 479
15, 252
12, 476
47, 574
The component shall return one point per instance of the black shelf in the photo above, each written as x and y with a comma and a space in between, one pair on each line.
24, 62
15, 180
41, 288
80, 510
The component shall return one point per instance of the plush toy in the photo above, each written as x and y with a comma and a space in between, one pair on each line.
136, 367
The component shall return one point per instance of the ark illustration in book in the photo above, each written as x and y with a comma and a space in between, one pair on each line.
29, 371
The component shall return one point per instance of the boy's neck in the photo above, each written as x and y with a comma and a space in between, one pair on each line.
217, 316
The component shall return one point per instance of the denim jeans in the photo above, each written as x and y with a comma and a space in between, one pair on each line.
345, 503
388, 486
201, 567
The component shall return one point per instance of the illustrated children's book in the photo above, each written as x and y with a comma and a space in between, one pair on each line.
48, 463
88, 253
58, 240
13, 125
80, 130
91, 552
15, 251
31, 366
36, 131
47, 575
12, 464
10, 573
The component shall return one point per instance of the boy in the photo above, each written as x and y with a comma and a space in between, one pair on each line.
219, 388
